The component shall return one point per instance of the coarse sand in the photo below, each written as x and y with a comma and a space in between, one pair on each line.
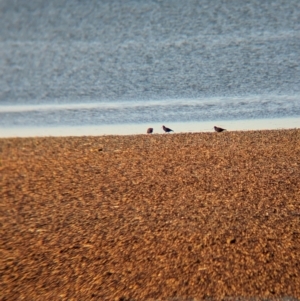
202, 216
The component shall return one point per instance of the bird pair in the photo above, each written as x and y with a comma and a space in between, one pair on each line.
167, 130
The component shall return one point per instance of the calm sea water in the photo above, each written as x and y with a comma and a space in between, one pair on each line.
99, 63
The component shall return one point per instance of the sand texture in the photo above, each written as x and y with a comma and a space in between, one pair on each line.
203, 216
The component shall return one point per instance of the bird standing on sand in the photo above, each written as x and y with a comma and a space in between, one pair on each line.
219, 130
167, 130
150, 131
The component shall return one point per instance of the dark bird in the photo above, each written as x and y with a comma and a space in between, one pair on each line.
167, 130
150, 131
219, 130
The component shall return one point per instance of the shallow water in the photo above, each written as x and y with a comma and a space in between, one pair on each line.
66, 63
141, 128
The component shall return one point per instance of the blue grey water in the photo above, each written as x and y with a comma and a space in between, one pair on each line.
72, 63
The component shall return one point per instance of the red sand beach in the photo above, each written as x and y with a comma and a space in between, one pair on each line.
202, 216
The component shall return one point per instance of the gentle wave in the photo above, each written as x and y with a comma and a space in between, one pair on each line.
261, 100
180, 110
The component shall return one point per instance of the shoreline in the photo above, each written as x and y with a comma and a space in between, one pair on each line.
191, 216
134, 129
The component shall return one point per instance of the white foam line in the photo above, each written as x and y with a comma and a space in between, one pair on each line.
218, 39
142, 103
